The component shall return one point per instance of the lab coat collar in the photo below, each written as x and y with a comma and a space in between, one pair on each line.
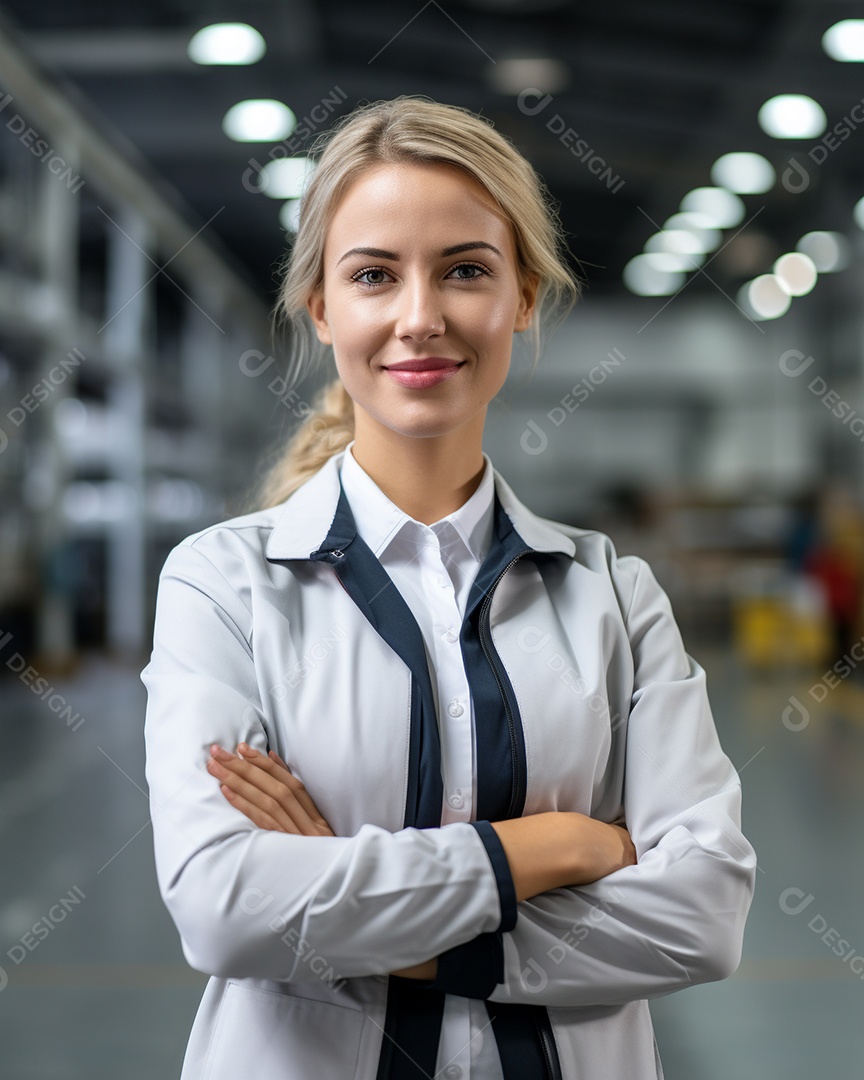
306, 516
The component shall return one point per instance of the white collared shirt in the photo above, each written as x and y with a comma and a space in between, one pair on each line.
433, 567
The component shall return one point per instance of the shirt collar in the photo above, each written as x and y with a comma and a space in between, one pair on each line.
379, 520
302, 521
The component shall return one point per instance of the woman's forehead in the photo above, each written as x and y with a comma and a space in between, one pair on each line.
391, 200
411, 173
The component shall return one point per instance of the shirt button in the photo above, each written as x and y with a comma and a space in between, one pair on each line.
453, 1072
444, 582
456, 800
450, 636
455, 709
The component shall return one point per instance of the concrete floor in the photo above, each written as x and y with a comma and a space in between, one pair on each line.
106, 992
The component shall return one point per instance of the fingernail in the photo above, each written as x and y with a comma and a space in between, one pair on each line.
244, 748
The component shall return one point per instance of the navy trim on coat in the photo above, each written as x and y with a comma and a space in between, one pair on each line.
414, 1014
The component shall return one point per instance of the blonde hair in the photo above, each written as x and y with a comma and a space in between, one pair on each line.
406, 129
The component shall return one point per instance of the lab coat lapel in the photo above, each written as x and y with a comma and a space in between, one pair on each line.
374, 592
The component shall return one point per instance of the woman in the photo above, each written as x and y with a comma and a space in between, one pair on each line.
436, 790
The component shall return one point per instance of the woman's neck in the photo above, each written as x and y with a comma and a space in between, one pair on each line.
427, 477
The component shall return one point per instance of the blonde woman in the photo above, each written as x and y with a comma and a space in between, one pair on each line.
436, 790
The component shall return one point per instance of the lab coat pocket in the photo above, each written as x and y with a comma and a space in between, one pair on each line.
266, 1035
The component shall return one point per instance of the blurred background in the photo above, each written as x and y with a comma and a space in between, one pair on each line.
703, 404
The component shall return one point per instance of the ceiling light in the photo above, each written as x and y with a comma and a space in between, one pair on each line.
828, 250
746, 173
766, 297
723, 208
674, 261
285, 178
673, 240
845, 40
699, 226
792, 116
680, 243
858, 213
289, 215
796, 273
227, 43
643, 276
258, 120
513, 75
687, 220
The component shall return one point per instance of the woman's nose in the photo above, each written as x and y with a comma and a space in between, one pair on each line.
420, 313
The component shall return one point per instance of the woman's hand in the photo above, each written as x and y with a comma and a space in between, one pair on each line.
265, 790
605, 848
550, 850
419, 971
558, 848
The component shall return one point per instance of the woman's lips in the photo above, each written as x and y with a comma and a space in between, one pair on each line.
419, 380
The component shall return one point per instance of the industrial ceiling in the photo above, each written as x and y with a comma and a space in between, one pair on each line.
641, 99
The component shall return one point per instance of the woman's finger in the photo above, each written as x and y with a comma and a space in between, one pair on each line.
256, 816
276, 767
278, 760
269, 787
257, 789
260, 807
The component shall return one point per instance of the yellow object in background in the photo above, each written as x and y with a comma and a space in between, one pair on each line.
769, 631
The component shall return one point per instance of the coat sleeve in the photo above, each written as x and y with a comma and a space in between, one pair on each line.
677, 917
250, 902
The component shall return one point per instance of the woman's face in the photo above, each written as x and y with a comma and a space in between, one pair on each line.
409, 295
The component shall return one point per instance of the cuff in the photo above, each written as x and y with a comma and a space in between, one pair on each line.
471, 970
474, 969
506, 888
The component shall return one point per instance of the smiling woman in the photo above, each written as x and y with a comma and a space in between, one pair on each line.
476, 777
448, 319
443, 183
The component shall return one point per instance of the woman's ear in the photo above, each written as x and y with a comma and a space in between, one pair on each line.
528, 299
318, 313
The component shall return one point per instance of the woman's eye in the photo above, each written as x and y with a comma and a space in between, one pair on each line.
481, 271
463, 272
363, 273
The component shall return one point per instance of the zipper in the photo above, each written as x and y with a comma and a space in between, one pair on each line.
492, 657
547, 1042
552, 1072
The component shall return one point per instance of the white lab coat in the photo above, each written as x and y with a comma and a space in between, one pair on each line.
273, 628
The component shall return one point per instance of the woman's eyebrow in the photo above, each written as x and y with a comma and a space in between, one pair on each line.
380, 253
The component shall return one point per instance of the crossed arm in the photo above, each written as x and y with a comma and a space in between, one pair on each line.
544, 851
595, 925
